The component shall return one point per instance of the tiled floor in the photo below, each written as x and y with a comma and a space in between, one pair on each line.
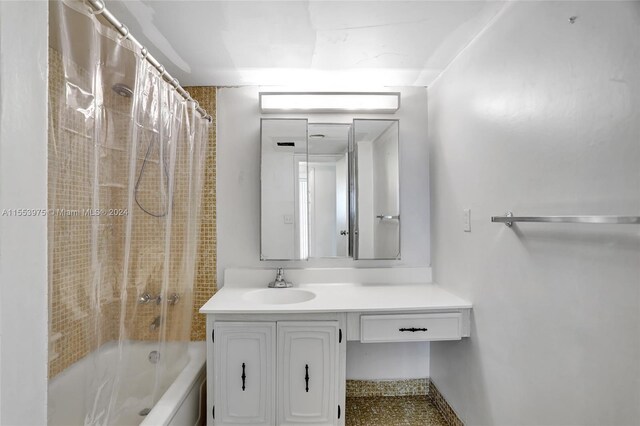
392, 411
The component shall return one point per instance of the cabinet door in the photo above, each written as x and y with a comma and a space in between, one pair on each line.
244, 357
308, 373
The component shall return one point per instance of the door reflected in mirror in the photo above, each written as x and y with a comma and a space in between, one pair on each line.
328, 190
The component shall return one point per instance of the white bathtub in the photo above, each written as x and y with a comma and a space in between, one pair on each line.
179, 386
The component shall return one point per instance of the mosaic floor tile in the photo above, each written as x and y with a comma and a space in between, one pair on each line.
392, 411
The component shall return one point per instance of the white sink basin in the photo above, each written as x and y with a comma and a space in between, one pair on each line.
279, 296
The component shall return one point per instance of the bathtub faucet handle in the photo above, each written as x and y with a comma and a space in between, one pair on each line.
144, 298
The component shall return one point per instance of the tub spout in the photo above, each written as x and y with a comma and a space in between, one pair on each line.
173, 299
155, 324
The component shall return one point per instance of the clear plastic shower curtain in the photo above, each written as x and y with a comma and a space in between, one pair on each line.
126, 155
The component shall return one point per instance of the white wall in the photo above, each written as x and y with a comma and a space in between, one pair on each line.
385, 361
541, 117
238, 180
23, 184
238, 204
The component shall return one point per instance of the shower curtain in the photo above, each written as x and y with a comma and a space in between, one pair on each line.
126, 155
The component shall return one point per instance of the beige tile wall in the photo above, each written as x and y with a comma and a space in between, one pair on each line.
74, 323
82, 315
450, 416
206, 285
371, 388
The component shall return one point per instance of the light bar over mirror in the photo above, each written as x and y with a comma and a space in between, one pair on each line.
325, 102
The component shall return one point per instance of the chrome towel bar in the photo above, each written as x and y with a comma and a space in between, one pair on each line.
508, 219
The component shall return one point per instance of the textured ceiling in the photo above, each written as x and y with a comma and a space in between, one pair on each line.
319, 44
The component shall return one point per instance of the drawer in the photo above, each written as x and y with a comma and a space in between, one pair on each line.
410, 327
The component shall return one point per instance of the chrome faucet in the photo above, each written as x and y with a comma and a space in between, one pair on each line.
146, 298
280, 282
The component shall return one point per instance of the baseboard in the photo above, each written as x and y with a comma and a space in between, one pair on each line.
404, 387
443, 406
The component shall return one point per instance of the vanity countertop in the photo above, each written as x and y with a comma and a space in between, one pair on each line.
335, 297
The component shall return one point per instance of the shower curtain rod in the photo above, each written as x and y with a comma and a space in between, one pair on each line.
98, 7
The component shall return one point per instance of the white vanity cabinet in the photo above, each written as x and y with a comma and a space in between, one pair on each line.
307, 367
281, 370
288, 346
244, 354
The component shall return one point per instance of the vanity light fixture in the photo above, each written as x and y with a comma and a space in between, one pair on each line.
323, 102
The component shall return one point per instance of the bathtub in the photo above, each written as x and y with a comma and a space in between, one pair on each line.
179, 386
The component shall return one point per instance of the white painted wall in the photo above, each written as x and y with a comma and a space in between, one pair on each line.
238, 202
238, 180
23, 184
387, 361
541, 117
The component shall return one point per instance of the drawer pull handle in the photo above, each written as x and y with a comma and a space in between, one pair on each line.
306, 377
244, 376
413, 329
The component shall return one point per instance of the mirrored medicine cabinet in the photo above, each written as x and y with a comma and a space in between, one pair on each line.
330, 190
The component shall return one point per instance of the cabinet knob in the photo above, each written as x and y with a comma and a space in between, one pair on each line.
306, 377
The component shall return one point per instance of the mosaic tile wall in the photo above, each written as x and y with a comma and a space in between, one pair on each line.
152, 215
73, 325
449, 416
82, 317
206, 285
371, 388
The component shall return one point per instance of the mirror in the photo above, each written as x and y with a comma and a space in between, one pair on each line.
283, 225
377, 189
328, 180
330, 190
